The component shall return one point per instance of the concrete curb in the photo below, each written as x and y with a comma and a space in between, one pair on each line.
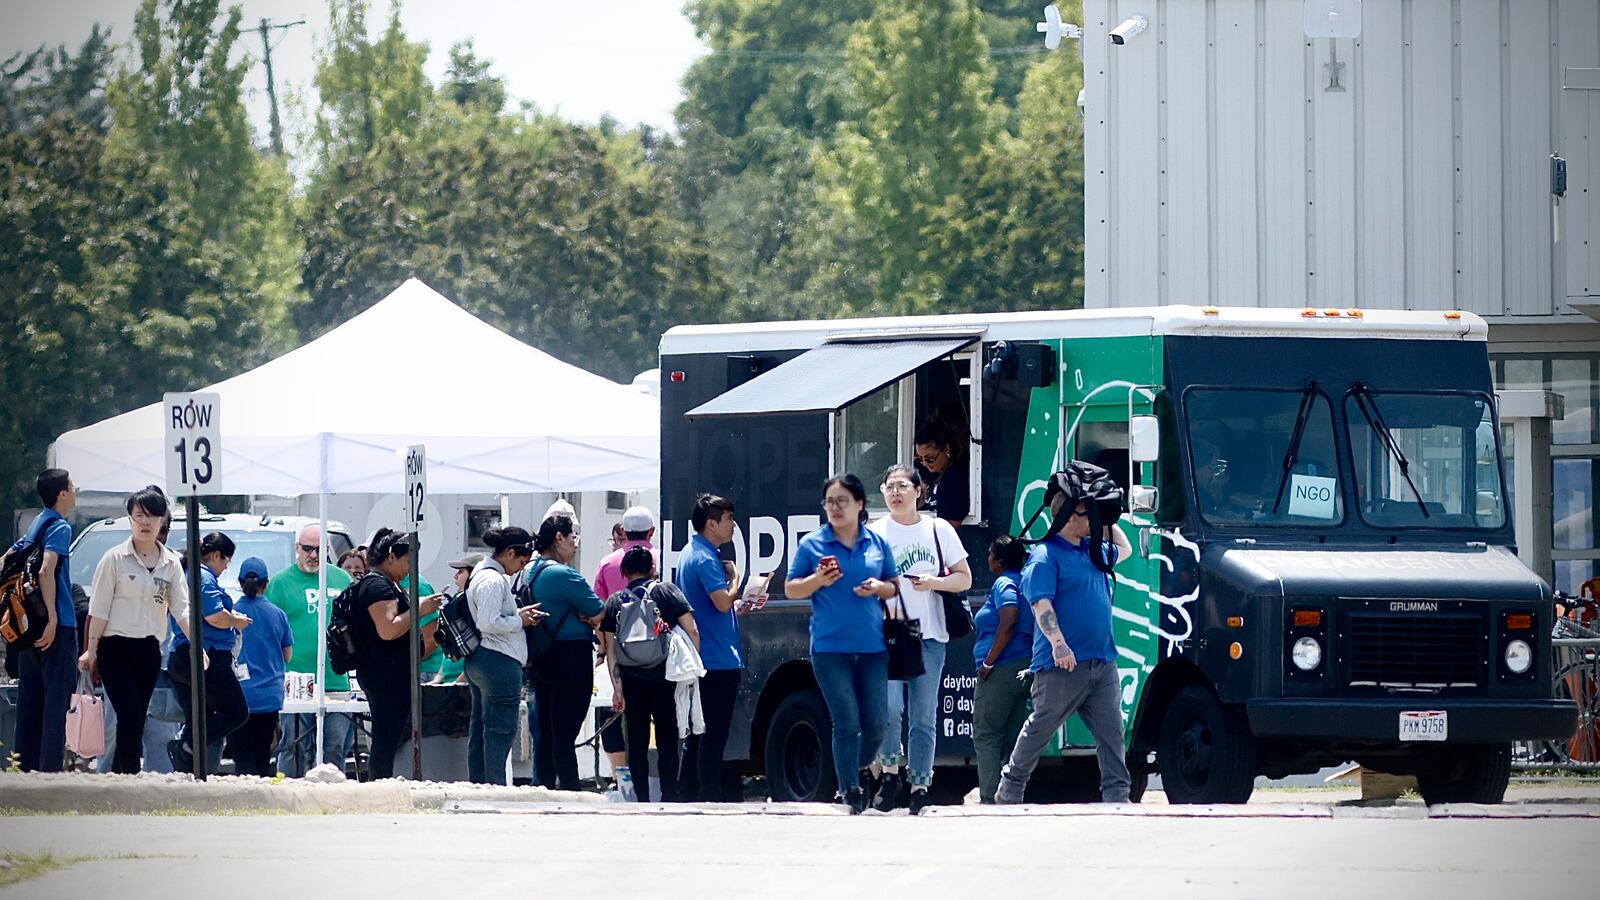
435, 797
99, 795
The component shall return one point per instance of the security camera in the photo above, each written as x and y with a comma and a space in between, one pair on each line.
1128, 28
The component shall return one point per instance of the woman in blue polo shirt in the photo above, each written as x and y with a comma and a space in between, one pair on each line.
847, 571
1001, 651
225, 705
264, 650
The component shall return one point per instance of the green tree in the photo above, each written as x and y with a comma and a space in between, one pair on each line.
36, 85
468, 82
371, 91
928, 127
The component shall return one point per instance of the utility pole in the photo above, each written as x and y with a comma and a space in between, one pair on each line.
276, 131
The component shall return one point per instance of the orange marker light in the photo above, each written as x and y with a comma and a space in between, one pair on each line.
1236, 621
1519, 622
1355, 313
1308, 313
1210, 310
1235, 650
1452, 314
1308, 618
1331, 313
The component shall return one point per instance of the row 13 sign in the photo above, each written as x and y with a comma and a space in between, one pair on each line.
193, 452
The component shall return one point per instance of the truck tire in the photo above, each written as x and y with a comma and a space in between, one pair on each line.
1206, 753
1466, 773
799, 750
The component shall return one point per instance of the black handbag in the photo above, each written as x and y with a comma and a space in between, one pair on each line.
957, 614
902, 637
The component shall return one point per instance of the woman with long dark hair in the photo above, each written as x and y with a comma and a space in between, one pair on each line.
847, 571
137, 586
494, 670
564, 678
382, 625
225, 708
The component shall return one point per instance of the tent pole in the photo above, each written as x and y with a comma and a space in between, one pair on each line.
322, 619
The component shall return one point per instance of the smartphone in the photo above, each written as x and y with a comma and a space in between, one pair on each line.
540, 614
828, 562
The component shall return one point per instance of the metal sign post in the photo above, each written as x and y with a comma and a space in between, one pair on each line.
416, 497
194, 453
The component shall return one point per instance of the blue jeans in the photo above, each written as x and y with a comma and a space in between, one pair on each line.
924, 704
495, 681
45, 681
853, 686
299, 741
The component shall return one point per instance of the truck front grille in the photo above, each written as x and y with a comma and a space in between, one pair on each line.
1413, 652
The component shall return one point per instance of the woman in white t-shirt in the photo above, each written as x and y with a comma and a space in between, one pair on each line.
920, 544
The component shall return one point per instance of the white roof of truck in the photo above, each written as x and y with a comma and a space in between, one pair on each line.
1394, 324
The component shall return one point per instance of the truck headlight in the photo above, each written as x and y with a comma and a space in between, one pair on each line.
1519, 656
1307, 654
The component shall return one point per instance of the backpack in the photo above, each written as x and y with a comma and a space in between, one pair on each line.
457, 634
23, 612
542, 636
344, 650
643, 638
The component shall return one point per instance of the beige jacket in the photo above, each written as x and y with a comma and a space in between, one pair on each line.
135, 601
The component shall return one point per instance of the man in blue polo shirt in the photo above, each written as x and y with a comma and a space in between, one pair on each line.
712, 595
1074, 657
48, 671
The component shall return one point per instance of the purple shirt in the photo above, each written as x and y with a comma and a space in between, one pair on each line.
608, 580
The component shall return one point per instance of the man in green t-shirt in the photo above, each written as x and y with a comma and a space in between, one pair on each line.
294, 590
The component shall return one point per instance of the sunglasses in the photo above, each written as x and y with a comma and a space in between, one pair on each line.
309, 548
930, 458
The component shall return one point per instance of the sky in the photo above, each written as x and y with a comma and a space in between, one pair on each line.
579, 58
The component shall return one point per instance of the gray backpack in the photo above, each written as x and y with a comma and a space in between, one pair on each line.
642, 637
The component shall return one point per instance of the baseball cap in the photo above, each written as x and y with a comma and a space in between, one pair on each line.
638, 518
469, 561
253, 566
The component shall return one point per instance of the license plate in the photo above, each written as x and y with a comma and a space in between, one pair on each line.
1427, 725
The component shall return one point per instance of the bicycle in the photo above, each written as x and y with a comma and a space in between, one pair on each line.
1576, 642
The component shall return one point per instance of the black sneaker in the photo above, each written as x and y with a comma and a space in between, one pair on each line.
182, 760
889, 790
856, 799
919, 801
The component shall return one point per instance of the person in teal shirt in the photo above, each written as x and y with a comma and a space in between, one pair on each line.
565, 676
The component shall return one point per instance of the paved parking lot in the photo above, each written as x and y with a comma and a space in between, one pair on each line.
1258, 851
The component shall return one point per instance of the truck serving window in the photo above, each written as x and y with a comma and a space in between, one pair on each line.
1425, 460
1263, 456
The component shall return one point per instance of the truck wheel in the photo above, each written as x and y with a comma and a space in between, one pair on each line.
1139, 780
799, 750
1466, 773
1207, 753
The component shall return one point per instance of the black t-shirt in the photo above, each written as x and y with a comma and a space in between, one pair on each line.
669, 600
951, 497
367, 591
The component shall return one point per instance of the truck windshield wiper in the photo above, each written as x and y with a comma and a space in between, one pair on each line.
1292, 454
1368, 404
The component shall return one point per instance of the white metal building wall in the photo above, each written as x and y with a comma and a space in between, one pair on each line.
1221, 168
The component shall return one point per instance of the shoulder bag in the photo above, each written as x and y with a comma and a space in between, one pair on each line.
902, 637
540, 637
957, 614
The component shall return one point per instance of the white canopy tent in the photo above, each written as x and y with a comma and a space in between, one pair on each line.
336, 415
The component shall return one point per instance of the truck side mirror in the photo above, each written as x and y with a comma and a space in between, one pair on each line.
1144, 439
1144, 498
1488, 505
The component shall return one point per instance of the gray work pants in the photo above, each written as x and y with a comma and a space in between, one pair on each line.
1094, 692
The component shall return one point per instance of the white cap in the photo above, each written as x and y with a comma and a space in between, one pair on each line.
638, 518
560, 508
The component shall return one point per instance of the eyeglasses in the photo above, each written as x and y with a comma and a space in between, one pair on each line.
895, 487
309, 548
929, 459
837, 502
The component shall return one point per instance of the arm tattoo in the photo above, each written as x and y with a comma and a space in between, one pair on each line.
1047, 624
